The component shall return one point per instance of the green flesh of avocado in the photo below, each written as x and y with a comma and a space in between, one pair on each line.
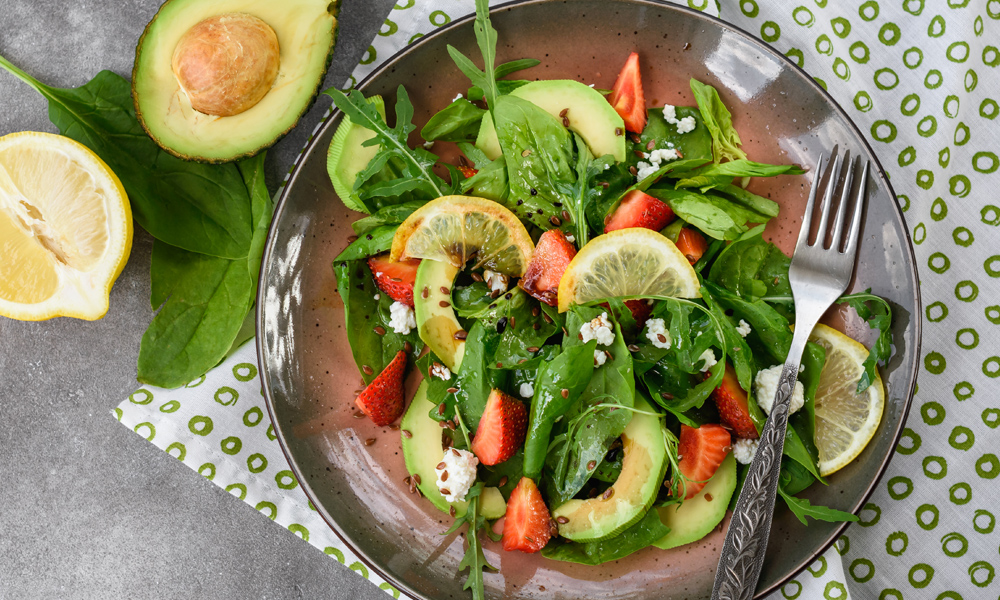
423, 450
698, 516
306, 32
643, 468
437, 324
589, 115
348, 156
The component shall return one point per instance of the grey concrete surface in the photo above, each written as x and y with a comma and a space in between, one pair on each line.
88, 509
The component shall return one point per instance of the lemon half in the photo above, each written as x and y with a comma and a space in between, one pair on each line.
65, 228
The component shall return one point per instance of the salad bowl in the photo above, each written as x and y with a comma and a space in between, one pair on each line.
353, 471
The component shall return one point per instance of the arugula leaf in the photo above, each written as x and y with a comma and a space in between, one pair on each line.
877, 312
768, 327
800, 444
416, 163
580, 194
803, 508
507, 86
570, 371
457, 122
648, 530
474, 559
486, 37
505, 69
198, 207
737, 349
719, 121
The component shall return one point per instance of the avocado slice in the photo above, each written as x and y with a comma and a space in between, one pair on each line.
589, 114
643, 467
423, 450
698, 516
305, 31
348, 156
436, 320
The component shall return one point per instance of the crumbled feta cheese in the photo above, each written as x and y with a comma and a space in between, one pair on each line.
656, 157
656, 332
440, 371
377, 296
571, 239
744, 450
429, 145
401, 318
527, 389
458, 97
598, 328
670, 113
766, 388
599, 357
709, 358
685, 125
591, 85
663, 155
460, 466
496, 281
743, 328
644, 170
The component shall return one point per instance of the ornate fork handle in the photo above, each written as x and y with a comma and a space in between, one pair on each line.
743, 551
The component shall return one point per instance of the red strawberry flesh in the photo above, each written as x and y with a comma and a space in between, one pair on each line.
691, 244
382, 401
627, 97
733, 405
527, 525
638, 209
552, 255
702, 450
395, 277
501, 429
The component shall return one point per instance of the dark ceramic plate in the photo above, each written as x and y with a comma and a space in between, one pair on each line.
309, 376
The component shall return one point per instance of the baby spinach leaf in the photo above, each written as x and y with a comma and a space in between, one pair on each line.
715, 216
393, 214
363, 314
477, 156
737, 349
457, 122
644, 533
695, 144
749, 200
194, 206
511, 469
768, 327
802, 425
794, 477
523, 333
208, 298
473, 382
752, 267
606, 190
557, 387
490, 182
803, 508
374, 242
876, 311
471, 301
719, 121
261, 208
718, 175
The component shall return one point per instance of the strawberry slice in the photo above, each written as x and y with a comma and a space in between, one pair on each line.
691, 244
527, 525
467, 171
501, 429
395, 278
638, 209
732, 403
382, 400
640, 311
550, 259
627, 96
702, 450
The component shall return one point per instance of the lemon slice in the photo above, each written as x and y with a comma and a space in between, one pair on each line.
65, 228
454, 228
845, 420
627, 262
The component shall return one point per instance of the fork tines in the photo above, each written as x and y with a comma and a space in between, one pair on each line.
830, 175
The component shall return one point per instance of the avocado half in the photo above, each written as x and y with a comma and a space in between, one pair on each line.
306, 31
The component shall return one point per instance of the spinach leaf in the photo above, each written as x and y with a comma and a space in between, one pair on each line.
471, 301
261, 209
803, 508
752, 268
415, 164
376, 241
473, 382
794, 477
737, 349
194, 206
593, 423
486, 37
363, 314
557, 387
477, 156
695, 144
876, 311
474, 559
768, 327
607, 188
751, 201
719, 121
457, 122
523, 333
208, 299
393, 214
714, 215
504, 87
493, 476
645, 532
800, 443
490, 182
539, 156
717, 175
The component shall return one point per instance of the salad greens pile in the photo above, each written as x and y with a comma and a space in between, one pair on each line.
549, 178
209, 222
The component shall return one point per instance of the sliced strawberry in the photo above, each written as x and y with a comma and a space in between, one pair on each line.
550, 259
732, 403
501, 429
395, 278
640, 311
691, 244
467, 171
638, 209
702, 450
627, 96
382, 400
527, 525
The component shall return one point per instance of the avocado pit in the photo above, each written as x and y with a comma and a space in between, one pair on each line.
227, 63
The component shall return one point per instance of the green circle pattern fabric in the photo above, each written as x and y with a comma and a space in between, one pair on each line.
920, 78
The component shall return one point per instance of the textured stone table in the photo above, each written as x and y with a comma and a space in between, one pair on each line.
88, 509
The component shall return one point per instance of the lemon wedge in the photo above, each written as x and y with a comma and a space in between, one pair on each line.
65, 228
627, 262
845, 420
453, 229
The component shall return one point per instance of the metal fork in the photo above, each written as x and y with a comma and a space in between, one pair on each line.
819, 274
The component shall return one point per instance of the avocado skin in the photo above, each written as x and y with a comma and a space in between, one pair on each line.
333, 8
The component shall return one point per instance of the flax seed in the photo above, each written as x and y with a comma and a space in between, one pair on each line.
444, 476
608, 493
413, 488
444, 304
619, 131
547, 318
359, 415
503, 481
512, 322
407, 347
369, 441
566, 217
592, 465
425, 292
351, 239
651, 145
441, 465
477, 277
563, 112
667, 396
565, 393
443, 424
406, 433
562, 520
536, 326
456, 452
709, 497
445, 492
445, 290
461, 334
633, 348
452, 511
441, 408
555, 220
416, 478
633, 171
565, 121
368, 370
533, 349
406, 480
526, 153
662, 338
452, 390
380, 330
